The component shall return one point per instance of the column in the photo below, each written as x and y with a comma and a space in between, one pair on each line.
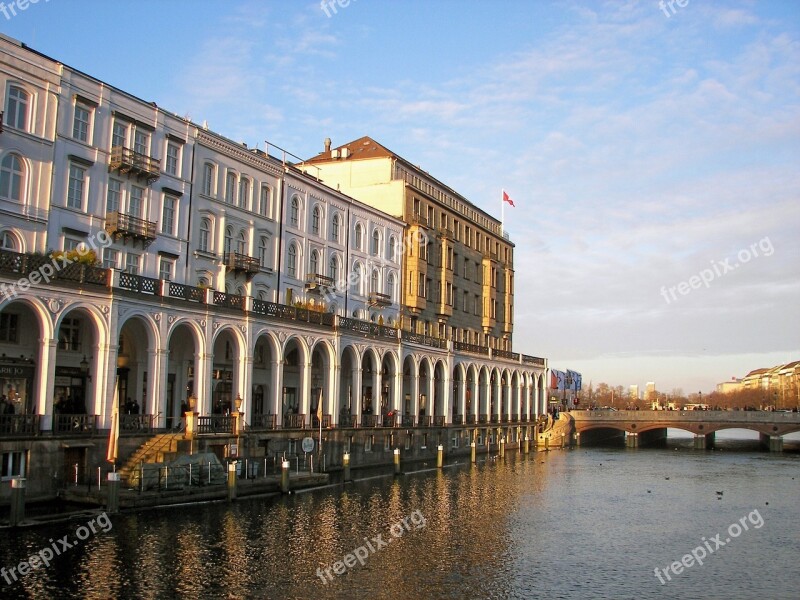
276, 401
160, 386
355, 391
202, 382
332, 393
305, 392
448, 399
46, 372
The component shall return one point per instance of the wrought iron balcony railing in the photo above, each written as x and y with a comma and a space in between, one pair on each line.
127, 161
120, 225
318, 283
241, 263
378, 299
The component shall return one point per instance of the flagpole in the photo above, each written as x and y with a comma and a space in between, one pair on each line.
502, 211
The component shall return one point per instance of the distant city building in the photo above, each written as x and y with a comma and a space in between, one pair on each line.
726, 387
650, 391
633, 392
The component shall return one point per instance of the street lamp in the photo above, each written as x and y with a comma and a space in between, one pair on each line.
84, 365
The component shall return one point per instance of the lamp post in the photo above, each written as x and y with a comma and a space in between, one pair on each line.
84, 365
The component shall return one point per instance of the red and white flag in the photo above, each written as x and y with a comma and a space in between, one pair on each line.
507, 199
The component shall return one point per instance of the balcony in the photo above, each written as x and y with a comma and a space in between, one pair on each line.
318, 284
241, 263
127, 227
128, 162
445, 233
419, 220
378, 299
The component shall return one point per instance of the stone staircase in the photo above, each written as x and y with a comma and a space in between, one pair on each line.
160, 448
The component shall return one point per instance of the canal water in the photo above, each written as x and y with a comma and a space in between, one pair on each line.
580, 523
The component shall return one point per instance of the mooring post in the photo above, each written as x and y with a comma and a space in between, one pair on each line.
285, 466
17, 515
346, 465
112, 504
232, 481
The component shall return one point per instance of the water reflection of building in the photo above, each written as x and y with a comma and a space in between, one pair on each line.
218, 273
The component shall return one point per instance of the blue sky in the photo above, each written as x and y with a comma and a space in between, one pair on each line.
642, 150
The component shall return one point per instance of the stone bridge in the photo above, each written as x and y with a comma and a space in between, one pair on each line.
650, 426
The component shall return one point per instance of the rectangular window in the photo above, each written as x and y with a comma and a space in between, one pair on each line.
133, 263
71, 244
368, 443
119, 135
141, 142
173, 157
75, 191
80, 124
168, 215
9, 331
208, 178
69, 335
14, 464
166, 267
136, 202
244, 192
114, 197
110, 258
264, 201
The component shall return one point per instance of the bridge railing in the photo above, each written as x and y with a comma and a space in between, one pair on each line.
729, 416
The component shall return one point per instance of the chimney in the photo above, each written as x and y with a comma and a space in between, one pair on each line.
327, 144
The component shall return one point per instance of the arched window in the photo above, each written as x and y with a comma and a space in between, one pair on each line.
263, 252
9, 241
205, 234
230, 187
12, 175
358, 279
244, 192
17, 105
241, 244
335, 228
228, 242
390, 286
315, 218
376, 242
374, 284
291, 261
294, 212
393, 249
333, 269
357, 238
313, 264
